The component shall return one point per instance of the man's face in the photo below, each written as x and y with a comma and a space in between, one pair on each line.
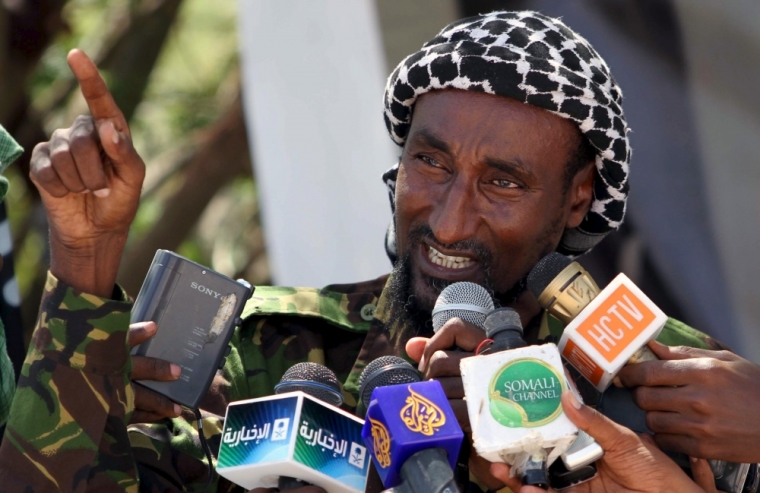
480, 192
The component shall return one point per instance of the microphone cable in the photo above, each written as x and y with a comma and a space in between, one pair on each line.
206, 449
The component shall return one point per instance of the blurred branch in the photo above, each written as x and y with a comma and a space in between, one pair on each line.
222, 155
129, 57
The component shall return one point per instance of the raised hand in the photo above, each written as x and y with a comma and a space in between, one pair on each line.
90, 178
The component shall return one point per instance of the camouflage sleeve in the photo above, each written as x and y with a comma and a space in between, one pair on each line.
66, 430
676, 333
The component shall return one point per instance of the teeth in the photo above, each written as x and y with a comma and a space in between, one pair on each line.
448, 261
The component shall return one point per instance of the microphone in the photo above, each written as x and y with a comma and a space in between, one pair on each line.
317, 381
410, 429
466, 300
605, 329
295, 438
513, 400
470, 302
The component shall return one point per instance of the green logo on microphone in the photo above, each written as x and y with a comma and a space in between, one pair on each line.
526, 393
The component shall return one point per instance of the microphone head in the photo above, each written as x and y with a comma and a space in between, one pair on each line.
314, 379
545, 271
502, 319
385, 371
466, 300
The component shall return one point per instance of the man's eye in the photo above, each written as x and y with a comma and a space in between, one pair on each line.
505, 183
428, 160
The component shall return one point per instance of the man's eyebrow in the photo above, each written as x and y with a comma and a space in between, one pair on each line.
425, 136
514, 166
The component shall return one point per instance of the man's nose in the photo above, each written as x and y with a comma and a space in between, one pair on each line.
454, 216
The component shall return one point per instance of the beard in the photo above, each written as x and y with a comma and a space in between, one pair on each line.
408, 311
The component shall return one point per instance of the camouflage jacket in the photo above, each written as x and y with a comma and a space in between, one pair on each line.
68, 432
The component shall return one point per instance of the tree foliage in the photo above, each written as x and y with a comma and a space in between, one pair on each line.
173, 68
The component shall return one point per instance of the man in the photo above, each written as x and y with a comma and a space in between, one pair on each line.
9, 152
485, 187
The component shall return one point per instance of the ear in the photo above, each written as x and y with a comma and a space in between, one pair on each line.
580, 196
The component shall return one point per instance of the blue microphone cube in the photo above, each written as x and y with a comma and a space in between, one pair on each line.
404, 419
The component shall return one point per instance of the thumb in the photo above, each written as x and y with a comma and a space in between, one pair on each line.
610, 436
703, 475
118, 147
415, 347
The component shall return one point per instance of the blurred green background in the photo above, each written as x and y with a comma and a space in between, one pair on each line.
173, 68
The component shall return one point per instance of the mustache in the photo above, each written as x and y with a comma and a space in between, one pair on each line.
424, 232
483, 254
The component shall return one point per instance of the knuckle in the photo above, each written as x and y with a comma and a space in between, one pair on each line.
699, 407
437, 363
84, 121
80, 141
158, 367
43, 173
652, 422
649, 375
641, 397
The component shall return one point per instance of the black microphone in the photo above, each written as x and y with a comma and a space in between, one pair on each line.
410, 429
319, 382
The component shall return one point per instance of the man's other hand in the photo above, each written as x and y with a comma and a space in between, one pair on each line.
150, 406
438, 361
630, 463
699, 402
90, 177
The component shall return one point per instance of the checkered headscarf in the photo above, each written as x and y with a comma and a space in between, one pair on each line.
537, 60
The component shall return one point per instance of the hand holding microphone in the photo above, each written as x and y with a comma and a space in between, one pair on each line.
630, 464
699, 402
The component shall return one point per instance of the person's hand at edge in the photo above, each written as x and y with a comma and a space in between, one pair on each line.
697, 402
630, 463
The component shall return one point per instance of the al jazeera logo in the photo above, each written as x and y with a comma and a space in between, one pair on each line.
421, 415
525, 394
381, 441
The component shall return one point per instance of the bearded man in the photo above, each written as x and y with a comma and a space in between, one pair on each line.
514, 145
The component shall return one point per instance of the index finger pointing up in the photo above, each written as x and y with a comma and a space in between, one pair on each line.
95, 91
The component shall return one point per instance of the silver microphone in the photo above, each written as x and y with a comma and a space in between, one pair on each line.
466, 300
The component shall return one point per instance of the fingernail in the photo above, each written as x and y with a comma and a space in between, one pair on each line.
103, 192
616, 382
177, 409
84, 191
176, 370
693, 460
574, 400
421, 366
115, 134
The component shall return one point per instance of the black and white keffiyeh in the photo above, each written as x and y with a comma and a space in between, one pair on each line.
538, 60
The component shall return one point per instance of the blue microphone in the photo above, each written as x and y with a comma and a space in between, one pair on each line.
410, 429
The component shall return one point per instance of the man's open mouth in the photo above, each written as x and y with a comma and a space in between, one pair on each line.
448, 261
